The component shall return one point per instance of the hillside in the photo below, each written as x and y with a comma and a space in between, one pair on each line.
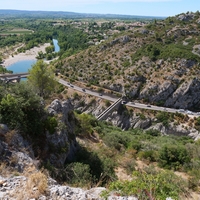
158, 63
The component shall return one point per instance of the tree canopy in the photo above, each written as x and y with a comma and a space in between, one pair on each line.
21, 109
42, 78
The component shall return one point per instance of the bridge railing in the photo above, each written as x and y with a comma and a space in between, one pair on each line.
109, 109
13, 75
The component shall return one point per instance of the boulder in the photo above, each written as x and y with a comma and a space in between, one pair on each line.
3, 128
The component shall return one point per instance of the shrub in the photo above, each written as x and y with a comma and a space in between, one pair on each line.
107, 103
116, 140
51, 124
85, 124
149, 155
153, 132
101, 167
75, 95
163, 117
79, 174
173, 157
156, 185
134, 144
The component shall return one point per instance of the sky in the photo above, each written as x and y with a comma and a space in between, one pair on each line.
163, 8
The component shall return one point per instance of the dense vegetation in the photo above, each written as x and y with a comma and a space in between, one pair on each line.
72, 35
21, 105
20, 108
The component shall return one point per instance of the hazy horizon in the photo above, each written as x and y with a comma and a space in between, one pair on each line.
159, 8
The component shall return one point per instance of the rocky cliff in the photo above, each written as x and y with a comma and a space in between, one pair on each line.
122, 118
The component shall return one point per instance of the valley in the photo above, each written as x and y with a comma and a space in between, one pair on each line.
53, 140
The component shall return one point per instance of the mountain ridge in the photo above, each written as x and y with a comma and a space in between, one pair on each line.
8, 13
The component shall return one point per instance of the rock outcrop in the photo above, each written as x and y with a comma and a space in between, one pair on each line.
121, 118
186, 96
61, 145
19, 187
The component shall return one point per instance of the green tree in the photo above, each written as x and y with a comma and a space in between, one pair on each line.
42, 78
22, 109
79, 174
86, 124
49, 49
10, 109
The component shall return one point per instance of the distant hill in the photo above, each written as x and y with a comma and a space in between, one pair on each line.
67, 15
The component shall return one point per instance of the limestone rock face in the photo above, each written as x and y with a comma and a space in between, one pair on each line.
186, 17
122, 119
171, 92
158, 92
116, 87
143, 124
177, 130
61, 145
15, 150
186, 96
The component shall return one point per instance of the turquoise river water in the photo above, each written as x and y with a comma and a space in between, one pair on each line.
25, 65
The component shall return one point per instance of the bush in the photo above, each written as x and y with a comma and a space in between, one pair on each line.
134, 144
79, 174
173, 157
51, 124
163, 117
156, 185
101, 167
85, 124
22, 109
153, 132
107, 103
116, 140
149, 155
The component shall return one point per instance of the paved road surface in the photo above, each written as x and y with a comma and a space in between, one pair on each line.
131, 104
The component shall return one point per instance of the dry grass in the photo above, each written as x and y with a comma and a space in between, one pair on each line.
30, 185
36, 184
4, 169
37, 181
9, 136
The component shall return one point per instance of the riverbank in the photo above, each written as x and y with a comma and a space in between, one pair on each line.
28, 55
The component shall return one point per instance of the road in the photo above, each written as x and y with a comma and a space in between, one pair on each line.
130, 104
86, 91
105, 96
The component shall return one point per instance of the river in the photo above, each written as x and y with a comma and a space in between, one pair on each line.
25, 65
56, 46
